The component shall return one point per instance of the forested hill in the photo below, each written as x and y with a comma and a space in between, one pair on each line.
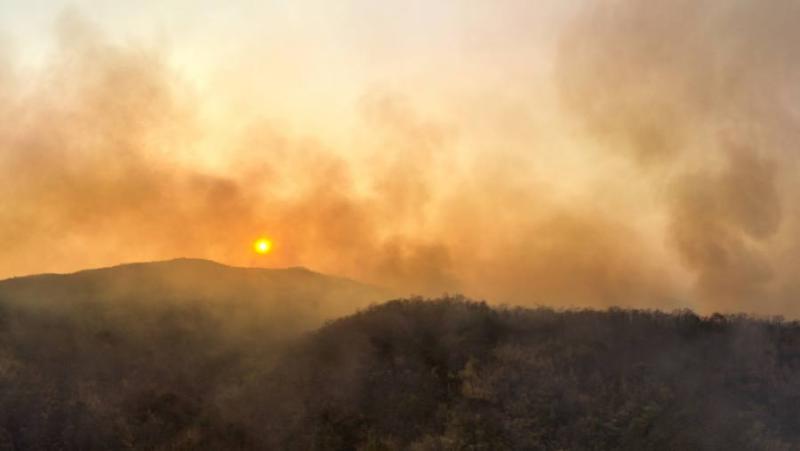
83, 372
149, 355
455, 375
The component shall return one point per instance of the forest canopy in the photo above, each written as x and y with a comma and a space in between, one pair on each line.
438, 374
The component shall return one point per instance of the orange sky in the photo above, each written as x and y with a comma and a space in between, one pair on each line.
562, 153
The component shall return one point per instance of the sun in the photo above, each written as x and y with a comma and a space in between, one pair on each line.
262, 246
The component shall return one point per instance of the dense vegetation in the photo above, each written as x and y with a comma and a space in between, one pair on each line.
453, 374
409, 374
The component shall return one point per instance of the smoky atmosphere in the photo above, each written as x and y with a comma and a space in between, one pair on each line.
357, 225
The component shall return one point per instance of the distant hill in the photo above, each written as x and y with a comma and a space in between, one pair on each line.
177, 355
289, 299
84, 356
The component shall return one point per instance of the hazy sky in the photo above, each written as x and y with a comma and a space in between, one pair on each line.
552, 152
304, 61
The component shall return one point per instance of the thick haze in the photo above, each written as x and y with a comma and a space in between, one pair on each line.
560, 153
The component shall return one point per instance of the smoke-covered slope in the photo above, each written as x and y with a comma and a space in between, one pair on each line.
287, 300
146, 354
192, 355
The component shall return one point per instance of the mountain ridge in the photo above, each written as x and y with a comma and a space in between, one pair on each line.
289, 300
178, 260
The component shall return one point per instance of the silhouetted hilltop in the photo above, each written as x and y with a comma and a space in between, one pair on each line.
185, 278
176, 355
290, 298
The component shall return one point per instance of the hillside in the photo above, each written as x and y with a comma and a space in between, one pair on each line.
104, 369
83, 354
287, 300
460, 375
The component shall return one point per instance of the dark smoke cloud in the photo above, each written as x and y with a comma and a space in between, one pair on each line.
702, 97
719, 225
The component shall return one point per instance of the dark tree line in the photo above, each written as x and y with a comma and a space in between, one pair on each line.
453, 374
447, 374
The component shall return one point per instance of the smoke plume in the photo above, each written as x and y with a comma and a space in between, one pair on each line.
653, 168
701, 96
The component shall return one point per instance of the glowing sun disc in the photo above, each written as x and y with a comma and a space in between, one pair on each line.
262, 246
